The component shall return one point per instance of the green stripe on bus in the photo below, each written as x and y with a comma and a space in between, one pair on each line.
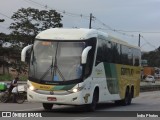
112, 77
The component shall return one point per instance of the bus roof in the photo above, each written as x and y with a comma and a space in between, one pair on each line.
67, 34
77, 34
116, 40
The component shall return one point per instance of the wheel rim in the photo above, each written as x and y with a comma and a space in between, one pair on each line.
4, 97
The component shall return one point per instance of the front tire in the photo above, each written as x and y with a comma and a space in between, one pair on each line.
47, 106
92, 107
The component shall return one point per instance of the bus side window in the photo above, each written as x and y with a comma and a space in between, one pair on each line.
98, 57
137, 56
100, 52
88, 67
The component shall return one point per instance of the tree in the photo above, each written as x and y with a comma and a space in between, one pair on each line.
4, 52
1, 20
30, 21
153, 58
10, 55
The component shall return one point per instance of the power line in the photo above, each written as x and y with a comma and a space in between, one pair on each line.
112, 29
148, 42
60, 11
5, 15
107, 27
122, 33
86, 16
139, 31
103, 24
36, 3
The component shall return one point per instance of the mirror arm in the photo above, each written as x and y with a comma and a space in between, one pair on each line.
85, 54
23, 53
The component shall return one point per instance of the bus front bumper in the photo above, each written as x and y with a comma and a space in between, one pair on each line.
70, 99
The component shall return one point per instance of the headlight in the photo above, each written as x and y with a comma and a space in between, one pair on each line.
74, 90
32, 88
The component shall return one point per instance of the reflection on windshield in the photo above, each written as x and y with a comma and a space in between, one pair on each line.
56, 61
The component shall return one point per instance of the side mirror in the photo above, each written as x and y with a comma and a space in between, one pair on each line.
23, 53
85, 54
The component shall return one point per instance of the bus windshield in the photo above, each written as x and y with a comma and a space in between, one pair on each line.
56, 61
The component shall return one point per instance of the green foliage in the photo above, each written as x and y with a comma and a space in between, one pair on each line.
29, 22
6, 77
9, 77
20, 67
153, 58
9, 53
4, 37
23, 78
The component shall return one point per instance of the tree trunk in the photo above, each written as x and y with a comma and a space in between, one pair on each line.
3, 66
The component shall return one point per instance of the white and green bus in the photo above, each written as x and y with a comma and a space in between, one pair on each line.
81, 67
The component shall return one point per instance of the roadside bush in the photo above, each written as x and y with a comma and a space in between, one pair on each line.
6, 77
9, 77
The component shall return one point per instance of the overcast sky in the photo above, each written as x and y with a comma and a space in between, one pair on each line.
133, 17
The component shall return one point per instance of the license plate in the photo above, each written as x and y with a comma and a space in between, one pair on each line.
51, 99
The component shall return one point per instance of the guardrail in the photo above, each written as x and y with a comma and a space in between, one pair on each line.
149, 86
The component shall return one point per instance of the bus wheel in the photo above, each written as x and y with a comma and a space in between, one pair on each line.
127, 99
47, 106
92, 107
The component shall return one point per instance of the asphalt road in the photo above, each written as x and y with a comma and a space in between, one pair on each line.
147, 101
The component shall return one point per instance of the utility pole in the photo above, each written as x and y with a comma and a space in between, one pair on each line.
139, 40
90, 22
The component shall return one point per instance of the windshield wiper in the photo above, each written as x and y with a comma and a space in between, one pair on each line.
56, 69
50, 68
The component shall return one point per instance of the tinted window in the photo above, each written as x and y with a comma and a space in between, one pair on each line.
111, 52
